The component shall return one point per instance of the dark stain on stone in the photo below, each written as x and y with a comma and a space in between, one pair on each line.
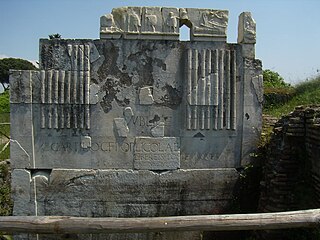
160, 64
111, 92
110, 67
172, 98
46, 56
146, 73
155, 119
123, 103
247, 116
118, 79
144, 69
145, 61
111, 87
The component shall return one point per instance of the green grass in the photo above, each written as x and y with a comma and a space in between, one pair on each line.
4, 102
306, 93
5, 200
4, 136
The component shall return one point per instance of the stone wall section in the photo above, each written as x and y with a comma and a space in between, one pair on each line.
312, 143
292, 157
291, 179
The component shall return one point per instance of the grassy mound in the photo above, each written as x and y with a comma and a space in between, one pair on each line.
305, 93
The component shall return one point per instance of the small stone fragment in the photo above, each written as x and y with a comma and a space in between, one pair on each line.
128, 114
246, 29
145, 96
158, 130
94, 90
86, 142
121, 127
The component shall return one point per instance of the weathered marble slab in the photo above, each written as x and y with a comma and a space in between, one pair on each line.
90, 119
246, 29
162, 23
122, 193
130, 125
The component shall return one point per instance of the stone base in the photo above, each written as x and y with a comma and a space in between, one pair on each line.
123, 193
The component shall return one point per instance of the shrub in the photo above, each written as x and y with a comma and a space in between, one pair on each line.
273, 79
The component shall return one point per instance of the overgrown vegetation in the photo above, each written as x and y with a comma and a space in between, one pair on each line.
54, 36
280, 100
12, 63
4, 125
4, 102
5, 197
273, 79
5, 200
305, 93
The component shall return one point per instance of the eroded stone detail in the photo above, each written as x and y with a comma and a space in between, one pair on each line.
163, 23
212, 94
208, 24
121, 127
246, 29
86, 142
65, 99
258, 85
19, 154
128, 114
21, 83
158, 130
94, 94
145, 96
107, 25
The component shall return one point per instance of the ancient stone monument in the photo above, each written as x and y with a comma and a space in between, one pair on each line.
137, 123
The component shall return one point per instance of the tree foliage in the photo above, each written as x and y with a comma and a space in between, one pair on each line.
12, 63
54, 36
272, 79
4, 103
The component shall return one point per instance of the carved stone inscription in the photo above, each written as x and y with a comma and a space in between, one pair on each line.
161, 153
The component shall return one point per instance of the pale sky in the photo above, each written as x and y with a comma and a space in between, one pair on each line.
288, 31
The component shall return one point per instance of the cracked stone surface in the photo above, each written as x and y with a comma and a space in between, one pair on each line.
131, 125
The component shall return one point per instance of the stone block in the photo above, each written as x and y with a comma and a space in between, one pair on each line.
121, 127
22, 86
208, 24
131, 193
246, 29
162, 23
21, 193
157, 153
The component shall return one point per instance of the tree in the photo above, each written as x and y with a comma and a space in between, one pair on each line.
54, 36
12, 63
273, 79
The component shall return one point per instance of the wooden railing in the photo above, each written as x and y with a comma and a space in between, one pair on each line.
233, 222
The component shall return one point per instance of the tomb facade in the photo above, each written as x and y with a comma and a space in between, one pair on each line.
137, 123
